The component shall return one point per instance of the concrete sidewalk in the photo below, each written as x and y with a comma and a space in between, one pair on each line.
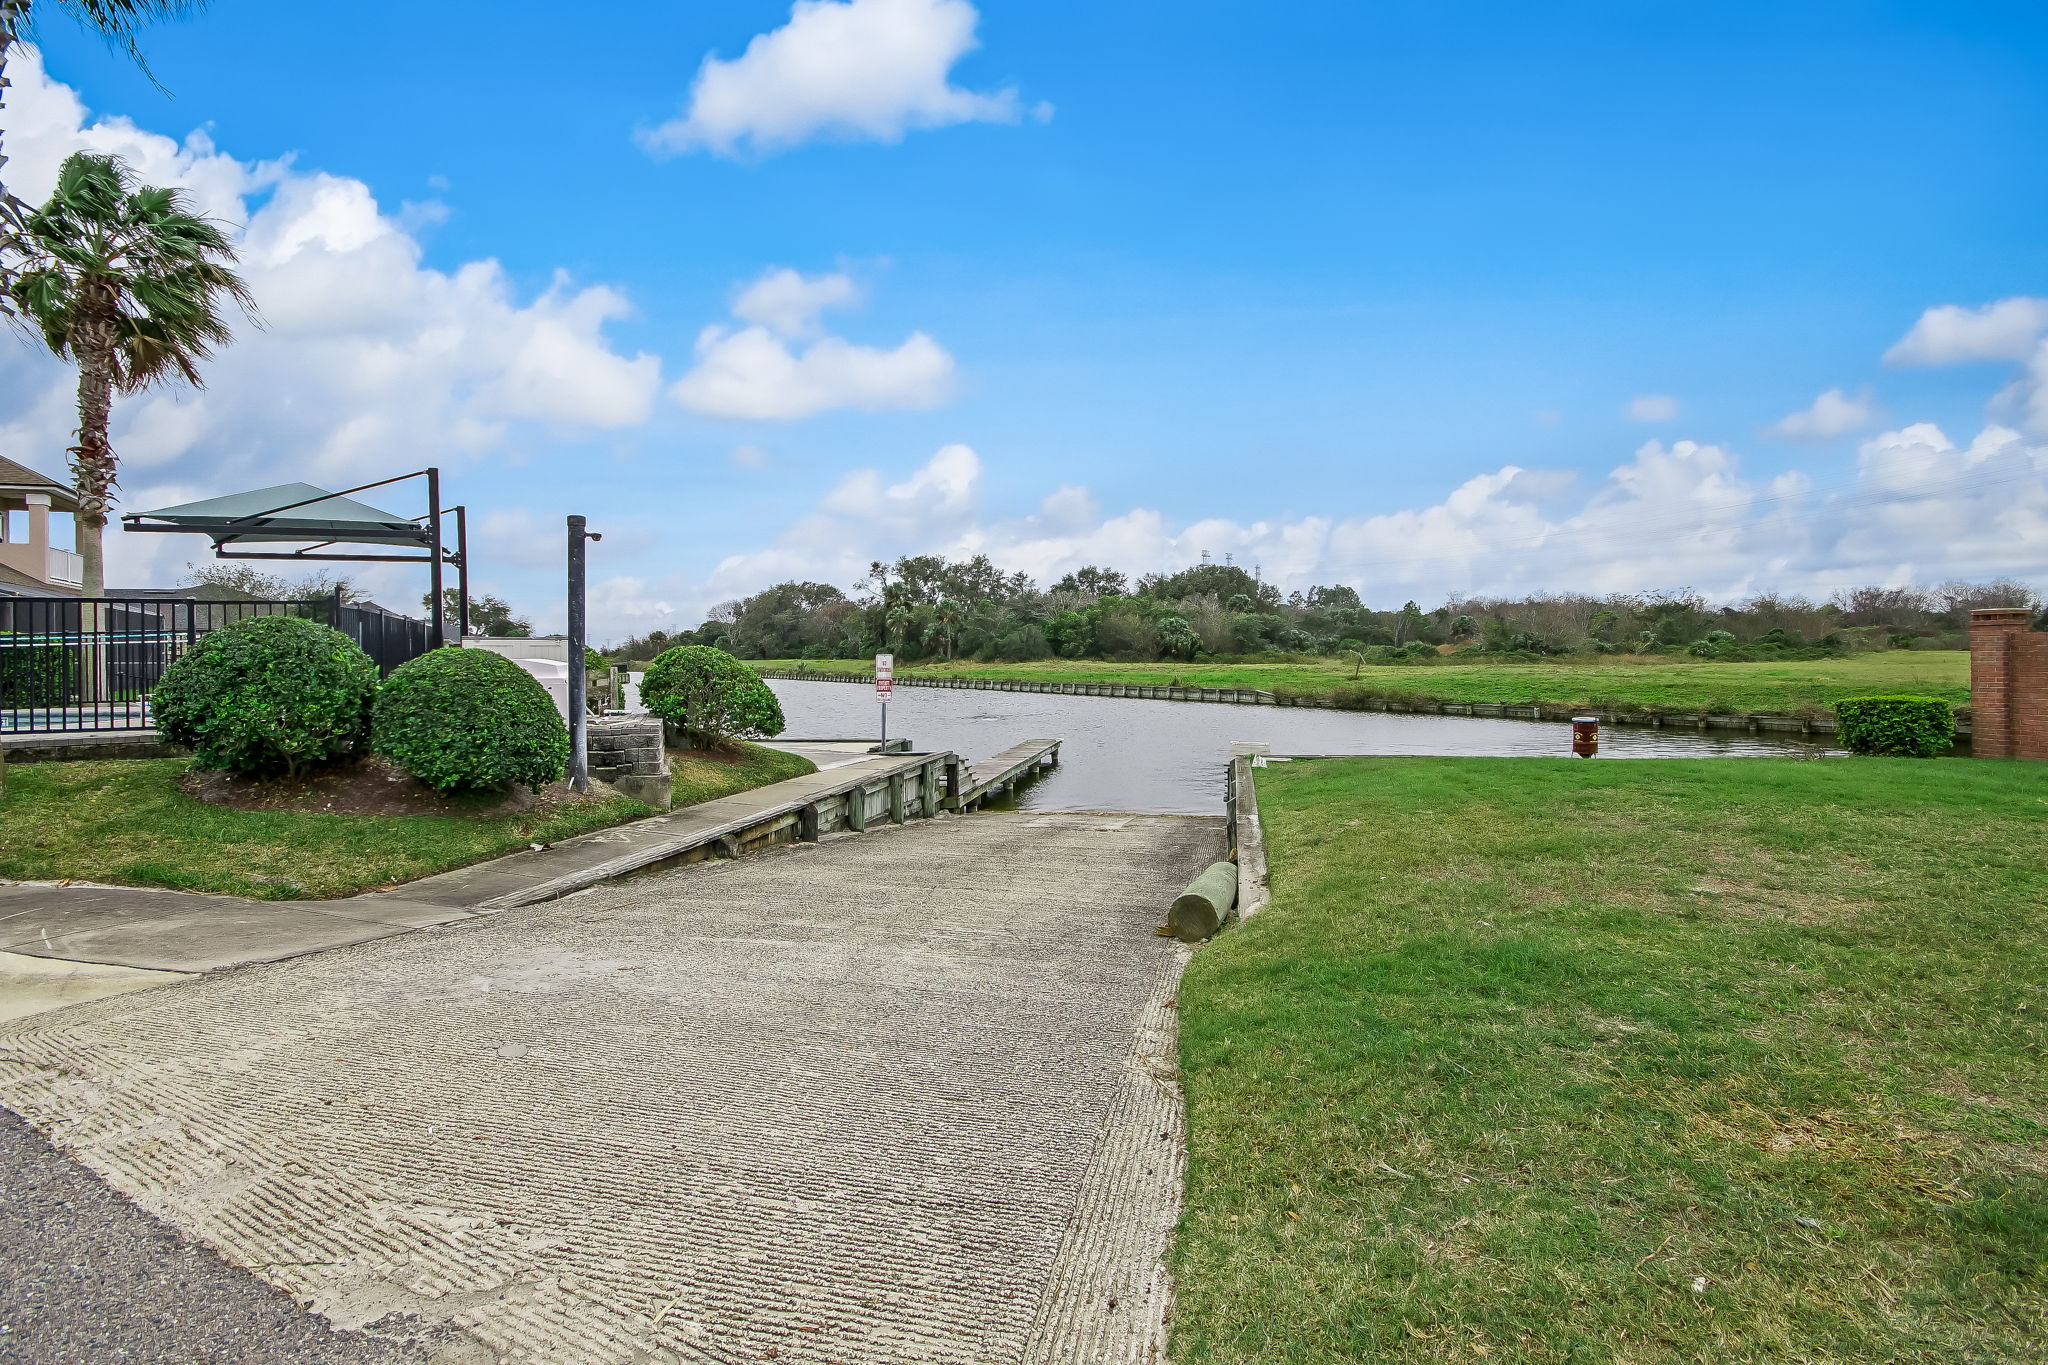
177, 931
902, 1097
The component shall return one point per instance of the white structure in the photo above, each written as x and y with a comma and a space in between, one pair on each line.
544, 656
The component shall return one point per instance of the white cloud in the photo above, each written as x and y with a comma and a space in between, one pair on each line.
788, 303
515, 536
781, 367
849, 70
1673, 515
1652, 407
1954, 335
748, 457
369, 362
2010, 329
1832, 414
628, 605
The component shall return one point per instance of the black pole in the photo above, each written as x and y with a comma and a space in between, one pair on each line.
437, 626
462, 570
579, 732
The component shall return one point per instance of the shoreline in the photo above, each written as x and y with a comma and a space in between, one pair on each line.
1754, 722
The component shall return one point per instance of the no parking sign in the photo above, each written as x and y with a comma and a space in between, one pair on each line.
885, 683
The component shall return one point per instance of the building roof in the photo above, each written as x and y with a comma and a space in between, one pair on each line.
14, 583
193, 592
19, 478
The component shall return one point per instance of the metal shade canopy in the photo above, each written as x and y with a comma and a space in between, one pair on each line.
286, 513
298, 512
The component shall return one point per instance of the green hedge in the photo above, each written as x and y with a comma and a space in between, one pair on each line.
710, 695
1911, 727
36, 675
464, 718
266, 695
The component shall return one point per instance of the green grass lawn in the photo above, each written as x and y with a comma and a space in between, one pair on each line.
1664, 1061
1669, 682
705, 779
128, 822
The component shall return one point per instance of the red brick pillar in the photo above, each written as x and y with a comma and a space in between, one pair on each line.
2008, 685
2029, 675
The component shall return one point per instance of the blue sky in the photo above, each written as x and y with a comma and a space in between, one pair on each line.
1280, 289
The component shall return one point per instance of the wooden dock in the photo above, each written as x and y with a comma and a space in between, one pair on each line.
969, 784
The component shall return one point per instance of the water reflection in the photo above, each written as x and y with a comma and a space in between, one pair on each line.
1136, 755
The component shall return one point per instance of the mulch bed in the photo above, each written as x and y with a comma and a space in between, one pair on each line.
373, 786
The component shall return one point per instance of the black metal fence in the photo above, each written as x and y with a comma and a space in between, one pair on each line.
388, 639
72, 665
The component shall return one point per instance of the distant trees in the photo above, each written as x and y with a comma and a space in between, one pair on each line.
1090, 581
929, 607
488, 615
249, 582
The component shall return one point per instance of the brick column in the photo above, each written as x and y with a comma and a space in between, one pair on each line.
2028, 676
2008, 685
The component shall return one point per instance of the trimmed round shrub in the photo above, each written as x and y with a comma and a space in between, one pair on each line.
461, 718
267, 695
1910, 727
709, 695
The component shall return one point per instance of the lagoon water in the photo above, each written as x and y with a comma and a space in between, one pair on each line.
1167, 756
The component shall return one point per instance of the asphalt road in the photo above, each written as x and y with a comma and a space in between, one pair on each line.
88, 1277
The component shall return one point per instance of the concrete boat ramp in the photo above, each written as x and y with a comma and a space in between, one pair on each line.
897, 1097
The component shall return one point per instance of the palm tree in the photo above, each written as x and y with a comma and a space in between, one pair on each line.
1177, 637
128, 284
946, 618
114, 20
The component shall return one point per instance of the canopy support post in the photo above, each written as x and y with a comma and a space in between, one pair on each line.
462, 571
437, 623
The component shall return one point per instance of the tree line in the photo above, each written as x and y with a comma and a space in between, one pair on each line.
926, 607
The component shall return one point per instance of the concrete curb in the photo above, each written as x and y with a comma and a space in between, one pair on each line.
1247, 838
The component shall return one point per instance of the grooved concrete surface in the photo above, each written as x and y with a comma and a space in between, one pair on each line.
901, 1097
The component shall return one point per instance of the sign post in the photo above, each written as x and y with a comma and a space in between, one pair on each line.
885, 683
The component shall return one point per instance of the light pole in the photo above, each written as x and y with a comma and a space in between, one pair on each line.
579, 711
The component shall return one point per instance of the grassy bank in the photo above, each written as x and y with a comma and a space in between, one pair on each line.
703, 777
129, 822
1543, 1061
1665, 682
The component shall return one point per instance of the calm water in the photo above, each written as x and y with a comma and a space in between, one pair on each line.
1127, 754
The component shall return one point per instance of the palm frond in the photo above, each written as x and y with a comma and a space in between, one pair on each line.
118, 21
126, 282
